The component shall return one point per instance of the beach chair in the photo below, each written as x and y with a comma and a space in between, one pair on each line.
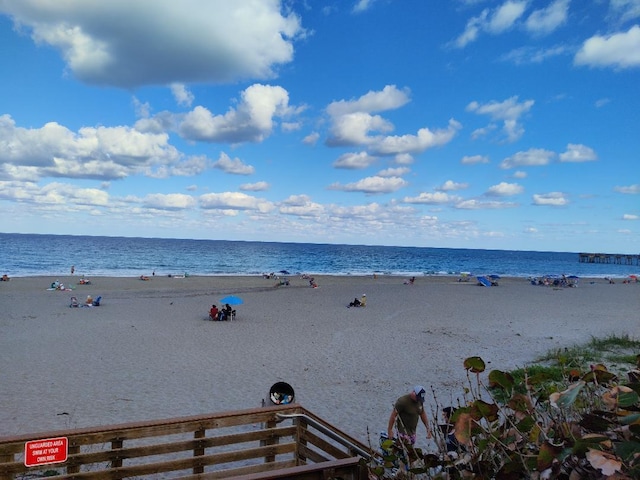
96, 302
74, 302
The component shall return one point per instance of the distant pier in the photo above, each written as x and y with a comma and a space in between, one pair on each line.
609, 258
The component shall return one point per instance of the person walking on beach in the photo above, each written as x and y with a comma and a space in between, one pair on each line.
405, 414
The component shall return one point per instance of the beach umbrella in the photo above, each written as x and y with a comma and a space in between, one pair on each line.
232, 300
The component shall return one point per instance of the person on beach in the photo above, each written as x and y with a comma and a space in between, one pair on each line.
405, 414
213, 313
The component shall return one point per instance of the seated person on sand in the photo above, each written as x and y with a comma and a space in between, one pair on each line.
89, 301
84, 281
227, 313
411, 281
359, 303
213, 313
5, 278
144, 277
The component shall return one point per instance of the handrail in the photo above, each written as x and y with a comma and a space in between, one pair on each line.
328, 432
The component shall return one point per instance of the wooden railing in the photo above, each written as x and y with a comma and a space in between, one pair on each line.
284, 441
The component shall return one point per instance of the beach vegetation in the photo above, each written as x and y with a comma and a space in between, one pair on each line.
569, 420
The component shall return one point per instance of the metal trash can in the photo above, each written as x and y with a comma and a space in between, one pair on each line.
281, 393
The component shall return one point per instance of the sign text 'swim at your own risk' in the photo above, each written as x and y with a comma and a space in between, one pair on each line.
46, 451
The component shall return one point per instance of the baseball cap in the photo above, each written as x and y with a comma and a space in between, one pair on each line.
420, 393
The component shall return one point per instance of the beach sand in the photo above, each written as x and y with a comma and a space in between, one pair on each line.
148, 352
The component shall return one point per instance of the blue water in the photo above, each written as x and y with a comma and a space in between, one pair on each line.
52, 255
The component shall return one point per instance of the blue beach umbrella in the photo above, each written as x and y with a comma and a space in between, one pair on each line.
232, 300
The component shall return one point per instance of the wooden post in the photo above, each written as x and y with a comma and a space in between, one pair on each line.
199, 450
6, 459
73, 467
302, 427
116, 460
272, 440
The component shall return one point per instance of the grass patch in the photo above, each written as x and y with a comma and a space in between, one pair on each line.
621, 351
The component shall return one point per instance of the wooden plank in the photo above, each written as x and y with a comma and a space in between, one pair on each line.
325, 446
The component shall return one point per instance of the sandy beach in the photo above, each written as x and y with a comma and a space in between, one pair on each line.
149, 352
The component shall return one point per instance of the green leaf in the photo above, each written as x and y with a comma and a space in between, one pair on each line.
627, 399
548, 453
501, 379
568, 397
474, 364
627, 450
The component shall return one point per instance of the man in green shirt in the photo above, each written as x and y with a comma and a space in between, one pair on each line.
406, 412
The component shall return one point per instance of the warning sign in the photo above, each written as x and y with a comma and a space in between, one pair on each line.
44, 452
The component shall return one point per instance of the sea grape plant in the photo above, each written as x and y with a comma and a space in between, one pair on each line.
585, 426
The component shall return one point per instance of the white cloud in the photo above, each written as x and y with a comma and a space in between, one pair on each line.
372, 185
354, 160
546, 20
629, 216
105, 153
234, 166
301, 206
182, 94
251, 121
125, 44
620, 50
625, 9
534, 157
389, 98
578, 153
531, 55
437, 198
504, 189
450, 185
474, 204
173, 201
630, 189
311, 139
494, 21
423, 140
552, 199
254, 187
519, 174
508, 111
234, 201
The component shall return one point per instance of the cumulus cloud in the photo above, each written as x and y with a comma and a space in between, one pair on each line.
372, 185
311, 139
534, 157
578, 153
504, 189
234, 166
629, 216
493, 21
106, 153
546, 20
619, 50
354, 161
450, 185
129, 44
475, 204
508, 111
389, 98
173, 201
552, 199
354, 124
54, 193
301, 206
251, 121
234, 201
254, 187
436, 198
182, 94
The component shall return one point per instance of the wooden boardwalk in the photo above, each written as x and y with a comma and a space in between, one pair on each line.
609, 258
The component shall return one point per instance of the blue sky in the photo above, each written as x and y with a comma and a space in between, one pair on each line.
464, 123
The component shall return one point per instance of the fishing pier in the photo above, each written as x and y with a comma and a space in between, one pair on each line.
609, 258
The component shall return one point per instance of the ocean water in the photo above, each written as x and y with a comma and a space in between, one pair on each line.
24, 255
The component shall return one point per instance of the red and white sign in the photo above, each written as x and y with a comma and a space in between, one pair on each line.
44, 452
